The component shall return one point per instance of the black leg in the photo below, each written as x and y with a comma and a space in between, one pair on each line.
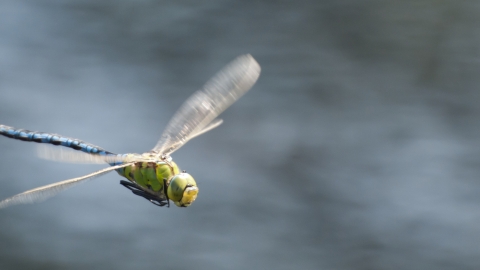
165, 186
139, 192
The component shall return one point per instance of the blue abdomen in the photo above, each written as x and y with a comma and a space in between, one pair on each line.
51, 138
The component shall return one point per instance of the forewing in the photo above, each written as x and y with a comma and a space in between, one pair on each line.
42, 193
221, 91
68, 155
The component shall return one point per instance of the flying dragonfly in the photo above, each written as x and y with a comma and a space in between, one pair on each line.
152, 175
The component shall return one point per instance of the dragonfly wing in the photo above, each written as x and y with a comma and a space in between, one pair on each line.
215, 123
196, 113
72, 156
42, 193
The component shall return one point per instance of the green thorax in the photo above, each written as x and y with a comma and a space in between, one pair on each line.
150, 171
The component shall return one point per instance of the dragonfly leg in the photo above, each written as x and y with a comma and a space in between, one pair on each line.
165, 186
139, 192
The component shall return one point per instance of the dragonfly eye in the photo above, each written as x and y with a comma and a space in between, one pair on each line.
182, 190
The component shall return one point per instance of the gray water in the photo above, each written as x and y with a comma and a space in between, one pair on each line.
358, 148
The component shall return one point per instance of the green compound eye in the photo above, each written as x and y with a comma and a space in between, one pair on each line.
182, 190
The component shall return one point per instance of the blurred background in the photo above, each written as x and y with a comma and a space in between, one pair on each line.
358, 148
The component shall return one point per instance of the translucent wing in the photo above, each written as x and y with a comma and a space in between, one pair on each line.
74, 156
42, 193
221, 91
215, 123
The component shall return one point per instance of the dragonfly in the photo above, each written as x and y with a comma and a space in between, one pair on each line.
152, 175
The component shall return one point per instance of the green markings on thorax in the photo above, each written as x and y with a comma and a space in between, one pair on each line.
150, 175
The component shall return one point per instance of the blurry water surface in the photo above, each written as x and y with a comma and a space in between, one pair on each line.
358, 148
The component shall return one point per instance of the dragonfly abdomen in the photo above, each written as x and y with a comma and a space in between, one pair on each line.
51, 138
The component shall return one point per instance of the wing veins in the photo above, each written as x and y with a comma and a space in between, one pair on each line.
44, 192
200, 109
68, 155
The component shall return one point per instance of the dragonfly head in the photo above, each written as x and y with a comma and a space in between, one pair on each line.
182, 189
